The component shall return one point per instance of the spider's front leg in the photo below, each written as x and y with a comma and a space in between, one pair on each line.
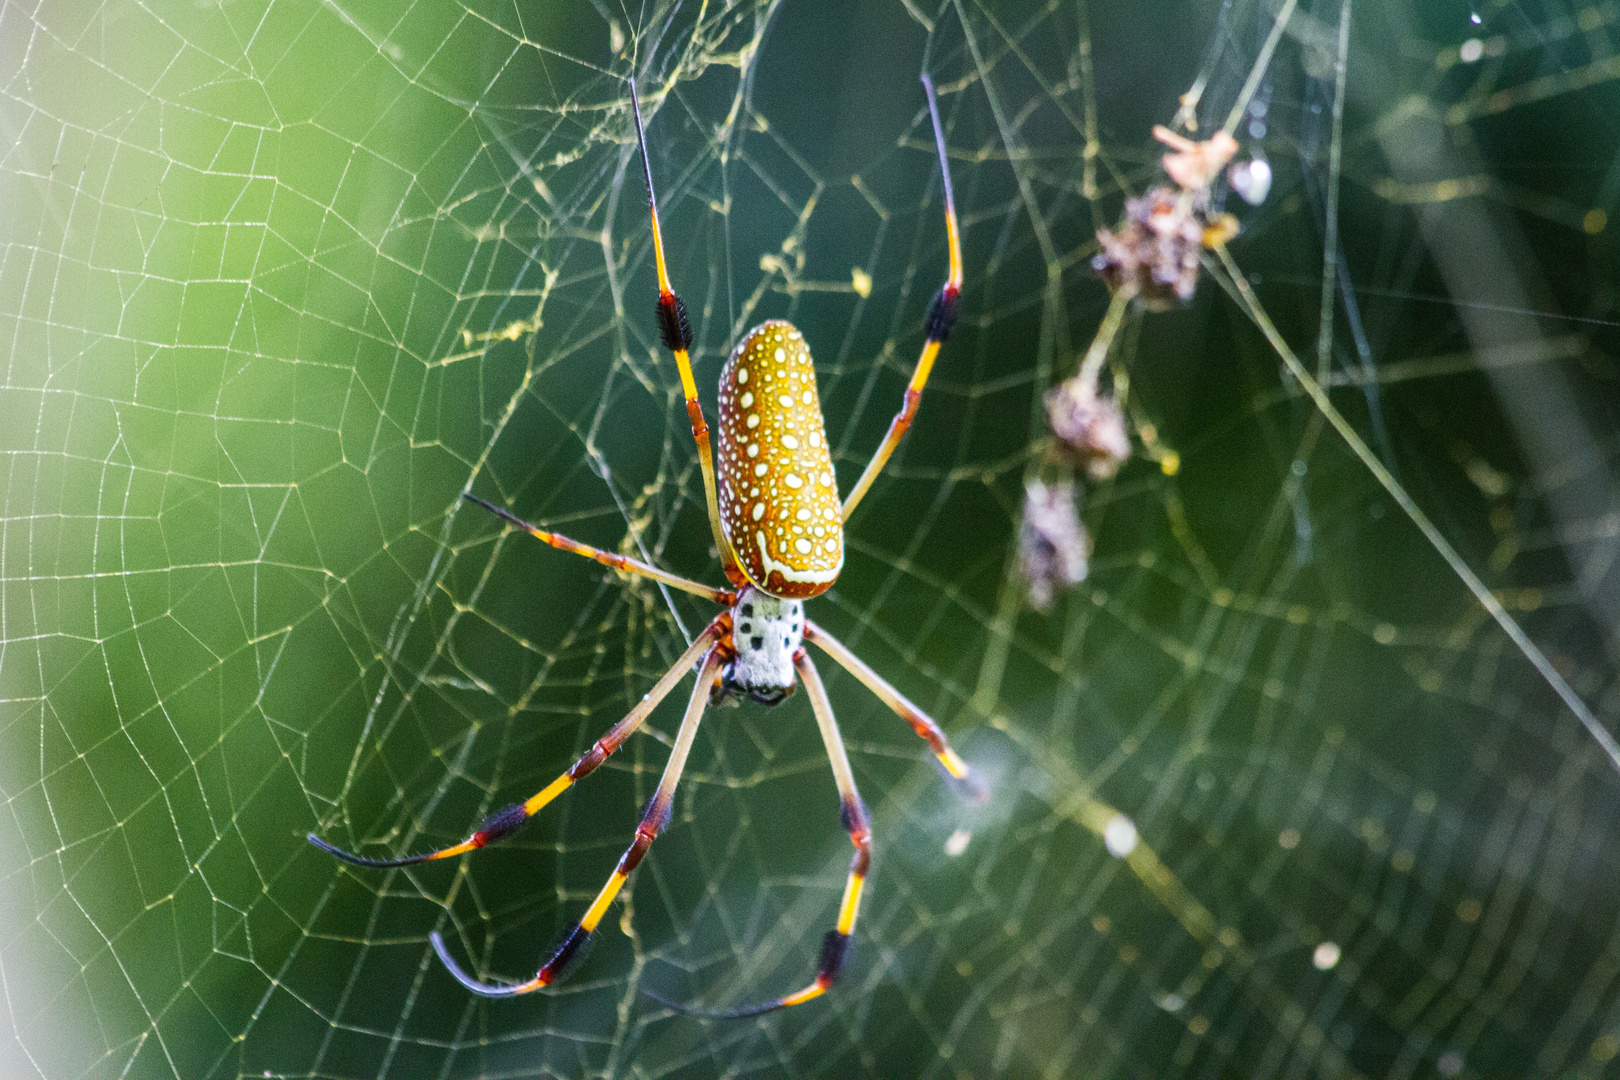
967, 781
505, 822
652, 823
835, 946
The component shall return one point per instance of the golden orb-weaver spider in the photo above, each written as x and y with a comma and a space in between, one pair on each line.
770, 489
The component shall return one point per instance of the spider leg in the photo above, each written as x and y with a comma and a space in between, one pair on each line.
964, 778
941, 318
652, 823
504, 823
676, 331
835, 946
606, 558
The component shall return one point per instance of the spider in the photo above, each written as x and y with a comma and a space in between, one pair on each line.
778, 523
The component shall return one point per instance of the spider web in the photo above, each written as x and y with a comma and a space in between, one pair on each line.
1274, 794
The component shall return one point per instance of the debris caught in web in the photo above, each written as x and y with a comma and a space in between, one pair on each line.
1195, 165
1089, 427
1152, 255
1054, 549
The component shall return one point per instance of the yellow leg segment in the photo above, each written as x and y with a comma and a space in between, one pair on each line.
851, 905
599, 906
953, 764
538, 800
941, 317
809, 993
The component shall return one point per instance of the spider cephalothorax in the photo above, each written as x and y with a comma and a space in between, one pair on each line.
779, 527
766, 632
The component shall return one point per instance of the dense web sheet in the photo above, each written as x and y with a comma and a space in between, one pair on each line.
1276, 791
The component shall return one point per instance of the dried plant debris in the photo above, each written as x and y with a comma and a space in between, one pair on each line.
1089, 427
1151, 256
1054, 549
1195, 165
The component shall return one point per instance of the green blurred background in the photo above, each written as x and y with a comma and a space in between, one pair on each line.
281, 279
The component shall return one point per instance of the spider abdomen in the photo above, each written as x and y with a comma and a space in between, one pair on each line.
778, 495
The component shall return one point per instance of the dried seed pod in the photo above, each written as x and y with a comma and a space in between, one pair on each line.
1054, 549
1088, 427
1195, 165
1152, 255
